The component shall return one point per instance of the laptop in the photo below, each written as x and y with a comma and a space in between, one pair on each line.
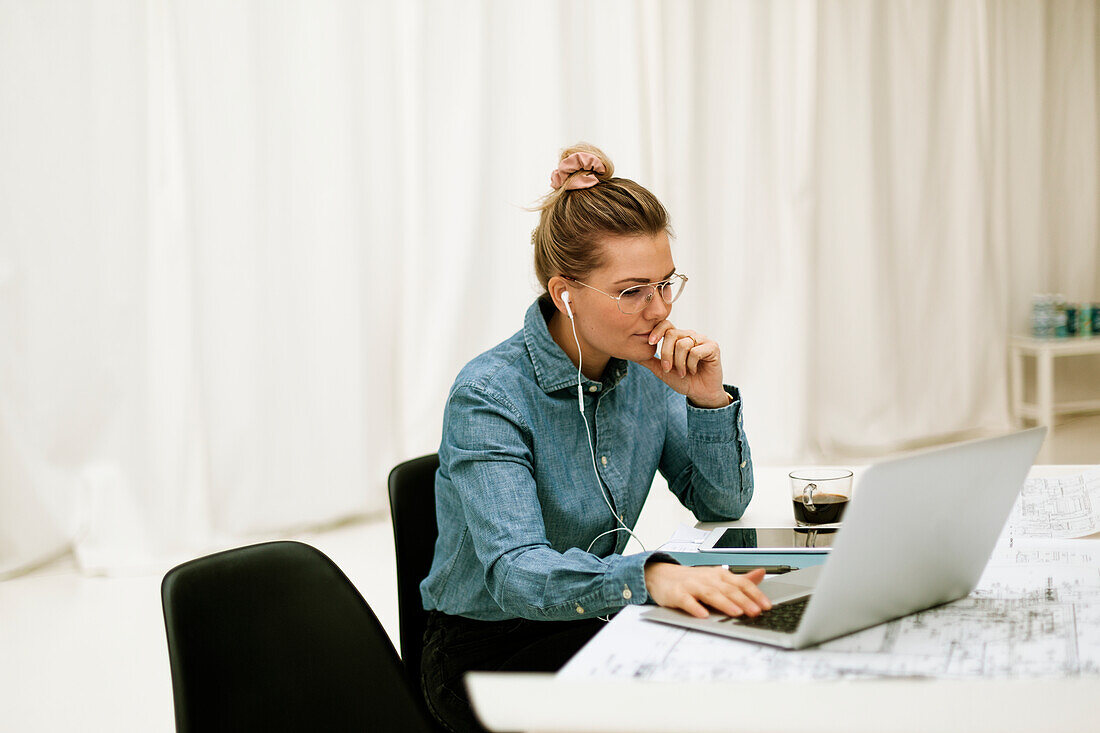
918, 533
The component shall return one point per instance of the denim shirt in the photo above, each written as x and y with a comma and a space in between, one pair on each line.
517, 501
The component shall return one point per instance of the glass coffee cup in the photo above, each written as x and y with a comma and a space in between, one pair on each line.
820, 495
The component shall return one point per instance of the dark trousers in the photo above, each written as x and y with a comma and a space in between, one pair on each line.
455, 645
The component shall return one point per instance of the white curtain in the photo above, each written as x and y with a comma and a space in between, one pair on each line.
246, 246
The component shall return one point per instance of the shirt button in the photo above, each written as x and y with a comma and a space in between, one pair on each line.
593, 388
603, 460
627, 594
580, 609
743, 463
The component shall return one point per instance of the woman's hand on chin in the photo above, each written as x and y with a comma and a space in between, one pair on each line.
690, 363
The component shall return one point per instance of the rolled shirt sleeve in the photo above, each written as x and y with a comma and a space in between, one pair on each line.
706, 458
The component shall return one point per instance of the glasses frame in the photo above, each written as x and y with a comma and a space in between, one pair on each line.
649, 299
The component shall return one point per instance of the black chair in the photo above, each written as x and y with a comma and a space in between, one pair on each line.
274, 637
412, 504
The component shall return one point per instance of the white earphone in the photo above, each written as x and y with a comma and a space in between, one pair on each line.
573, 323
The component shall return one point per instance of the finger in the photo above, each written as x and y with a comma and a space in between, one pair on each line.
683, 346
692, 606
702, 352
733, 589
672, 345
721, 602
730, 600
755, 576
747, 584
758, 597
662, 334
658, 332
668, 347
748, 605
693, 358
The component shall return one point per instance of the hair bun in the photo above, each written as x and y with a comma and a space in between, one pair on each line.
581, 166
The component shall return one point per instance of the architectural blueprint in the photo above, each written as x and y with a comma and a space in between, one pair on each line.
1035, 612
1062, 506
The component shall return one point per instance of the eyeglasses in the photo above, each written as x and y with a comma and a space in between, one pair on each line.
635, 299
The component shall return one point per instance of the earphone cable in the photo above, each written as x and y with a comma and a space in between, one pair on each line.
592, 452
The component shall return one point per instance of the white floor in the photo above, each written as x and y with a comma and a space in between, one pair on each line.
89, 654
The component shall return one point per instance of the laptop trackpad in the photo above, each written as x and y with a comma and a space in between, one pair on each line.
791, 585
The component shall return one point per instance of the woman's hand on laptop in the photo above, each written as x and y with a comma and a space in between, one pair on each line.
693, 589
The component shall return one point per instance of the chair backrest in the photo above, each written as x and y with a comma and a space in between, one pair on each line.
274, 637
412, 504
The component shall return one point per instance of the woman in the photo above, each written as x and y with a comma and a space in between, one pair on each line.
534, 497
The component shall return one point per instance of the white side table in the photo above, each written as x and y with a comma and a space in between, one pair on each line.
1045, 351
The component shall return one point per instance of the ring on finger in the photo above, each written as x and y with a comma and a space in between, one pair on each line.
694, 343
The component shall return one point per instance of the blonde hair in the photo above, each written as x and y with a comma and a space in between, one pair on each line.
572, 221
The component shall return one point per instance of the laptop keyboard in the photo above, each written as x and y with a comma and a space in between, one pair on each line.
783, 617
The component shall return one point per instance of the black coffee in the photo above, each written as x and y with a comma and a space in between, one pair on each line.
828, 508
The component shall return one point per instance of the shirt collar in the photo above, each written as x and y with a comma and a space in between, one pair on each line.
553, 369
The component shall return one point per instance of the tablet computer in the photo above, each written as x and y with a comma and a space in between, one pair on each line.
770, 539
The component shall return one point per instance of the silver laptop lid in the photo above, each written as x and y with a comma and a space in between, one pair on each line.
918, 533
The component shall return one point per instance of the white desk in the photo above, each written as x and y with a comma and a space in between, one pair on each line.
543, 703
1045, 351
